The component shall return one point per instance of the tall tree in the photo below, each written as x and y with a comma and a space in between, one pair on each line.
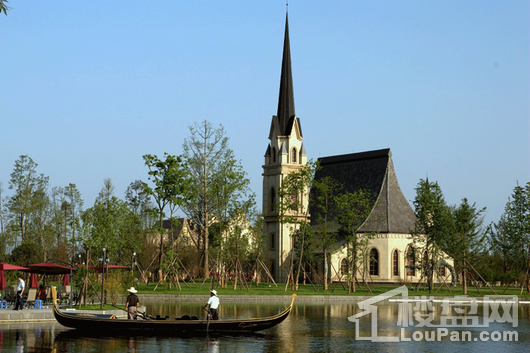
293, 210
353, 209
111, 224
29, 193
323, 200
219, 183
3, 232
433, 227
171, 185
75, 208
466, 242
511, 235
140, 203
501, 245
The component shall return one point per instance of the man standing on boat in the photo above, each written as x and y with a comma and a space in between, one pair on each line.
213, 302
132, 304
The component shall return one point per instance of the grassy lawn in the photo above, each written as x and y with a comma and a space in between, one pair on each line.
198, 288
270, 289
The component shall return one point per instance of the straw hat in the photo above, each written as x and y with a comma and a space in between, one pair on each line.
214, 292
132, 290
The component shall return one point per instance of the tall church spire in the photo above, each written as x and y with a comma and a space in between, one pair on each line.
286, 99
285, 154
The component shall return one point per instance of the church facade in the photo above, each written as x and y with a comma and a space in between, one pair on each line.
391, 252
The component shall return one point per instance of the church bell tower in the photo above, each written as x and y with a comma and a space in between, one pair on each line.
285, 153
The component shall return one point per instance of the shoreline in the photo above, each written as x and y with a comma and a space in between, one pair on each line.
46, 314
316, 299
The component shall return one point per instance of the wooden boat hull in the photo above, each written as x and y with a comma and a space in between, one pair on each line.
108, 323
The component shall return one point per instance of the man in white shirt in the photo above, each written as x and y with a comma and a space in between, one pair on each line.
19, 302
213, 302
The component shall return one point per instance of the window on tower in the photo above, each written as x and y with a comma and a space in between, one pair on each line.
273, 200
293, 155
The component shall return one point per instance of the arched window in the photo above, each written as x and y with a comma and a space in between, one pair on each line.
374, 262
441, 271
273, 155
273, 200
344, 267
410, 262
395, 263
293, 155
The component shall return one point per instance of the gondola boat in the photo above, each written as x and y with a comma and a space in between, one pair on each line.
185, 324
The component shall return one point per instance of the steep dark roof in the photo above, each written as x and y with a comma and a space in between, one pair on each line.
286, 98
268, 151
286, 116
374, 172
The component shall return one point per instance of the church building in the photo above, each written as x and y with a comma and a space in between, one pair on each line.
391, 252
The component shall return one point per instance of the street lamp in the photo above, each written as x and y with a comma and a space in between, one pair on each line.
103, 278
133, 264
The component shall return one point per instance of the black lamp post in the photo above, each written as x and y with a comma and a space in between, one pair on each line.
133, 264
103, 278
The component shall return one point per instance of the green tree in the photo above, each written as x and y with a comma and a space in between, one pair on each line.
466, 242
171, 186
232, 204
3, 233
433, 227
503, 246
140, 203
292, 208
73, 210
26, 253
111, 224
29, 195
511, 235
353, 209
220, 186
324, 193
44, 225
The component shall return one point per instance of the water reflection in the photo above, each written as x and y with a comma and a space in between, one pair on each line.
310, 328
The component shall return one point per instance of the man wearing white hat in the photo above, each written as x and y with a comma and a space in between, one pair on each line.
132, 304
213, 302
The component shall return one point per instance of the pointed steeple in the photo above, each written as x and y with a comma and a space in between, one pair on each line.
286, 99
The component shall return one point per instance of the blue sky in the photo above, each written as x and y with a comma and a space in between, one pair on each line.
87, 88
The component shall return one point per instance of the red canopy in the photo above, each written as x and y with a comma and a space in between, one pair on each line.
33, 283
4, 266
50, 268
8, 267
66, 280
2, 281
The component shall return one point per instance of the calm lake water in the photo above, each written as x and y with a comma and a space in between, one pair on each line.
310, 328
